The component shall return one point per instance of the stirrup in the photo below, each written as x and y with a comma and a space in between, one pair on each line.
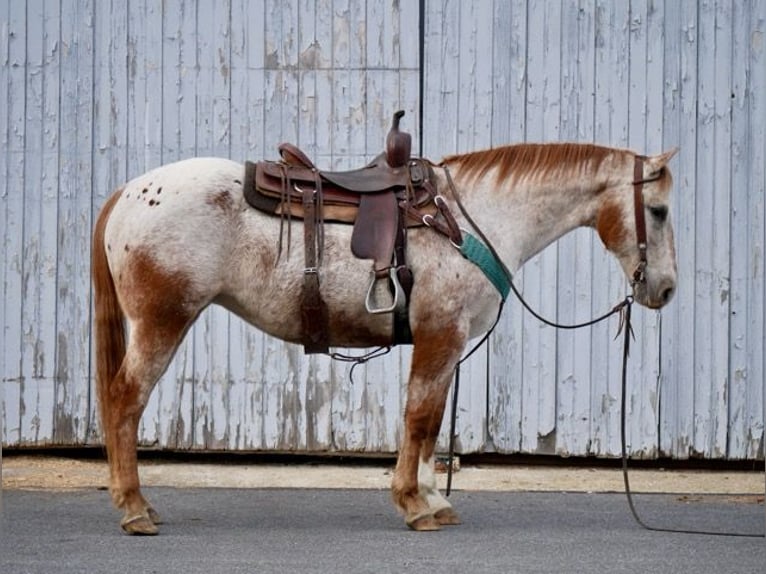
400, 299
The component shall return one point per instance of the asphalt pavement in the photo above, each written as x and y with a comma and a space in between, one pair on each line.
274, 530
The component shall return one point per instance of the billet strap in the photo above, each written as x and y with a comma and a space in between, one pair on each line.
313, 308
402, 332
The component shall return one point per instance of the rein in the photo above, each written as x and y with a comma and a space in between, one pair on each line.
624, 308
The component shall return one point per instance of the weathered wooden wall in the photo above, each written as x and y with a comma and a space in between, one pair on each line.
98, 92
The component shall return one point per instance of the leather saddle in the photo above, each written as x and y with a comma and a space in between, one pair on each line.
381, 199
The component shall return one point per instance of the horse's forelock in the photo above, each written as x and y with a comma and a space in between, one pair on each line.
539, 160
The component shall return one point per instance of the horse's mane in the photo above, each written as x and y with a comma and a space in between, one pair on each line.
523, 159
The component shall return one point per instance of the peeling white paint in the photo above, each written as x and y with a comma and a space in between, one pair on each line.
235, 79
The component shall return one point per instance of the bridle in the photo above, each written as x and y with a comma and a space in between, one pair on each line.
639, 275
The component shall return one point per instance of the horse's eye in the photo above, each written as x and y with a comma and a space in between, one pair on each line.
660, 212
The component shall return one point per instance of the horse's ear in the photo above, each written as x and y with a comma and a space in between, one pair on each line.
655, 163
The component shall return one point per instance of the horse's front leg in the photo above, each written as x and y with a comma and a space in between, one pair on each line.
434, 357
442, 509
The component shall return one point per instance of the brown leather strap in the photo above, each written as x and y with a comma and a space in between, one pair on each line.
402, 331
313, 308
638, 207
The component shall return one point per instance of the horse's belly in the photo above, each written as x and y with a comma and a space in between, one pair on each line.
265, 286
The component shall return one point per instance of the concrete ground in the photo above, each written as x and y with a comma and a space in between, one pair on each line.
55, 516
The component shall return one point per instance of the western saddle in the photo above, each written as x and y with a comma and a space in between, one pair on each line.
382, 199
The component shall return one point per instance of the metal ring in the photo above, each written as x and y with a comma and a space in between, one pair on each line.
463, 231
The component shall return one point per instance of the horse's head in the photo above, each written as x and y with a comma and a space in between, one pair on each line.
633, 221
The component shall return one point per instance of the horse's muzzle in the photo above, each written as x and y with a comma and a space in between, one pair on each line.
655, 294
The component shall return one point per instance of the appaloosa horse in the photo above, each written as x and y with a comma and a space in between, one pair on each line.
180, 237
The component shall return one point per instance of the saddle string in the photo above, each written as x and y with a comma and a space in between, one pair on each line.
623, 308
357, 360
284, 213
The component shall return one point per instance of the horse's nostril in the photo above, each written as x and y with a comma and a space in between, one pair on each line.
667, 294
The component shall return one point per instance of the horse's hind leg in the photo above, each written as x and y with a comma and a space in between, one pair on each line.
159, 307
434, 357
148, 353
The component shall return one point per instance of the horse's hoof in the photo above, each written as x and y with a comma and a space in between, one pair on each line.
426, 523
154, 516
447, 517
139, 525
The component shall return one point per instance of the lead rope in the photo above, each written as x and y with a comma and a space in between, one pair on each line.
628, 493
624, 308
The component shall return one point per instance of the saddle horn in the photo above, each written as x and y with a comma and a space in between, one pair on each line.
398, 143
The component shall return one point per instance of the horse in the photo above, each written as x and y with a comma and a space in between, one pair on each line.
181, 237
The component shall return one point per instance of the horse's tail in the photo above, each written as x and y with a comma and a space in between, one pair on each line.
109, 319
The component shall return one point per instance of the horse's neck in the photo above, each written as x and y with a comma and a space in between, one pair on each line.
522, 218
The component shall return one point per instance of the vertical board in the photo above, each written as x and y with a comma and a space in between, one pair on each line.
99, 92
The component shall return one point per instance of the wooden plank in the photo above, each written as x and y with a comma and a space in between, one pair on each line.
6, 378
712, 221
506, 376
747, 232
475, 73
211, 334
543, 103
644, 118
246, 64
441, 89
685, 305
72, 415
13, 220
169, 414
756, 285
39, 246
144, 133
670, 378
610, 128
574, 378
